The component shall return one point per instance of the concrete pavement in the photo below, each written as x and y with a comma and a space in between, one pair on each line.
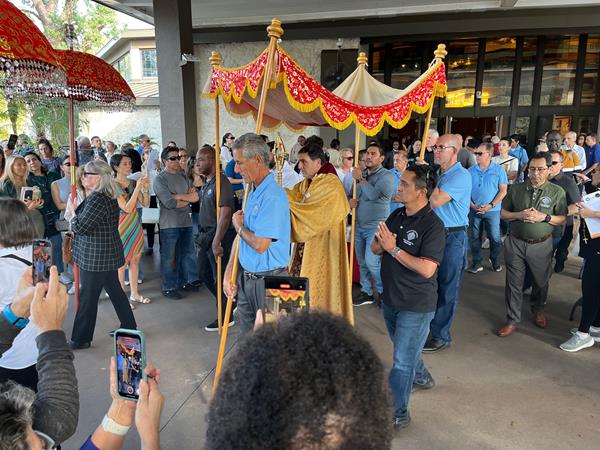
519, 392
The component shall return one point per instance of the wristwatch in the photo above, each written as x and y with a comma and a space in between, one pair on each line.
395, 251
548, 218
9, 315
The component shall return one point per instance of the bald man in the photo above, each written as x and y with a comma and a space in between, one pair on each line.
451, 201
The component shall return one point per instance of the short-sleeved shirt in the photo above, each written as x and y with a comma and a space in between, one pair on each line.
592, 155
207, 217
267, 215
421, 235
165, 185
486, 183
521, 154
548, 199
509, 164
393, 205
456, 182
230, 172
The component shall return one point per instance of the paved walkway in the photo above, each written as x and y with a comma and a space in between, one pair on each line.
520, 392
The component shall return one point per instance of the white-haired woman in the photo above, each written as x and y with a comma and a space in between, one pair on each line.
98, 251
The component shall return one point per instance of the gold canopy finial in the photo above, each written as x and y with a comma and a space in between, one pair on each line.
274, 30
215, 59
440, 52
362, 59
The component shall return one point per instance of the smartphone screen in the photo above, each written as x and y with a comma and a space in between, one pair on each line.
41, 260
284, 295
129, 357
12, 141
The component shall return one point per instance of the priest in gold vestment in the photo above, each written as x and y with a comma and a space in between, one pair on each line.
319, 208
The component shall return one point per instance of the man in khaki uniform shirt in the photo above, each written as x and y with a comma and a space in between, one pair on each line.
533, 207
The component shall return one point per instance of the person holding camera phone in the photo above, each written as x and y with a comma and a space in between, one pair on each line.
263, 230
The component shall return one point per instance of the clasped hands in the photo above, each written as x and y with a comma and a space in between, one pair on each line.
385, 237
532, 215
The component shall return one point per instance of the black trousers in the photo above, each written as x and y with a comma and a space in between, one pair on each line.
590, 288
91, 286
150, 227
562, 250
207, 265
27, 376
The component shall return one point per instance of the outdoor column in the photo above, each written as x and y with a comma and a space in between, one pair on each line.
177, 86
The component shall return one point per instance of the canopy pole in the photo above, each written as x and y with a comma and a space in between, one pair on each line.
440, 53
274, 31
73, 161
215, 60
362, 61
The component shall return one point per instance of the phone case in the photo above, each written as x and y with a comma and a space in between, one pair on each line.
140, 334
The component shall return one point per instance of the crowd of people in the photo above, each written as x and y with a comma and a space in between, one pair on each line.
418, 219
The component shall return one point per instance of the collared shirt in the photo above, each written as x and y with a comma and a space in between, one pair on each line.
592, 155
574, 158
207, 214
231, 173
486, 184
394, 206
548, 199
567, 183
521, 154
456, 182
374, 197
267, 216
421, 235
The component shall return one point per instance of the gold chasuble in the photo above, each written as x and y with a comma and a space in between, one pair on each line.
319, 208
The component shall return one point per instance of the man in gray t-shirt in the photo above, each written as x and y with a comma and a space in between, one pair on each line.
174, 192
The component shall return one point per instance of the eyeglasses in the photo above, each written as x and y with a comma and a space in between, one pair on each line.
349, 158
173, 158
478, 153
231, 137
537, 169
439, 148
555, 163
85, 174
67, 164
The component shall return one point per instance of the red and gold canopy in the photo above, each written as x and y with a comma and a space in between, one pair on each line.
27, 60
94, 81
297, 100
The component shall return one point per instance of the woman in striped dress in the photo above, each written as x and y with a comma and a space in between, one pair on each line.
130, 222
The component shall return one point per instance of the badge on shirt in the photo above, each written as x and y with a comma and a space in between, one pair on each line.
411, 235
545, 202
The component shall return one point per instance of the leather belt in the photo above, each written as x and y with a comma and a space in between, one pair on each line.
453, 229
533, 241
259, 275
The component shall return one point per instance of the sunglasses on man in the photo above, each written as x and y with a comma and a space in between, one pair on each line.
173, 158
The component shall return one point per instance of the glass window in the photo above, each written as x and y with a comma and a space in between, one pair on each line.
590, 70
406, 64
123, 66
149, 62
462, 72
377, 68
527, 71
560, 64
522, 125
498, 71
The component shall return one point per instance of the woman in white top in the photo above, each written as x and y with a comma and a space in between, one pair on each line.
346, 163
16, 233
226, 152
509, 163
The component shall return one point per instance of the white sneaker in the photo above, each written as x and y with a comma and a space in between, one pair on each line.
593, 334
575, 343
486, 243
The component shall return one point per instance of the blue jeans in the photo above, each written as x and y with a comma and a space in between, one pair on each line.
177, 257
369, 262
491, 222
56, 240
408, 331
450, 275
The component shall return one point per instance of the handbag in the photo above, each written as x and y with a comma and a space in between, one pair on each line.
67, 248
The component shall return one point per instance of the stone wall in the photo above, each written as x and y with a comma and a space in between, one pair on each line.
120, 127
307, 53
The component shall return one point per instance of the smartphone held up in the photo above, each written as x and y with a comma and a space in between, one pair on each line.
284, 295
130, 358
41, 261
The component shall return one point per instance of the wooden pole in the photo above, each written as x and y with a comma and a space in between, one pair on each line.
440, 53
362, 61
274, 32
73, 161
215, 60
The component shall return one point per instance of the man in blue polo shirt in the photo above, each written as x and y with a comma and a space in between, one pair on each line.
263, 230
489, 187
516, 151
450, 201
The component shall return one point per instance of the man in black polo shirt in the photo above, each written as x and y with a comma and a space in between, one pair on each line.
412, 242
214, 239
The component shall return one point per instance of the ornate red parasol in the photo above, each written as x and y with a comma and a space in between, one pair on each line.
93, 81
28, 63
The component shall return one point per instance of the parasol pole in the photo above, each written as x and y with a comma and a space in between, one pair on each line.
440, 53
274, 31
362, 61
215, 60
70, 37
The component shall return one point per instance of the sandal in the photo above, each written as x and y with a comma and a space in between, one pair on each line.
140, 299
132, 306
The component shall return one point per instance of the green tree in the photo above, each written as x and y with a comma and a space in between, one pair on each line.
94, 24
